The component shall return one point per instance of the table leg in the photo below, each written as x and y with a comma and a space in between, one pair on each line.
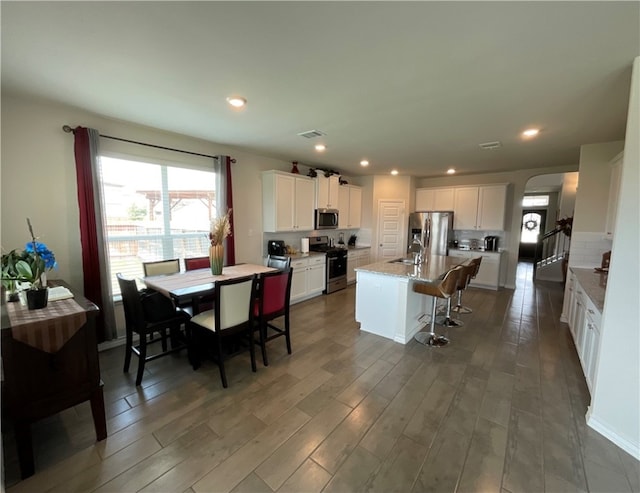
25, 448
97, 410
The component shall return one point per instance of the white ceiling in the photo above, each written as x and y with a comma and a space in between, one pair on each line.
411, 85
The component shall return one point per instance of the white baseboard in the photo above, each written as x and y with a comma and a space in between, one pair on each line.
631, 448
103, 346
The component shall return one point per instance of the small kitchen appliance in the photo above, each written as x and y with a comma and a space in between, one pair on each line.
276, 247
491, 243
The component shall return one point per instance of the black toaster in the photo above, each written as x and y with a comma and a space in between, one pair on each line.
276, 247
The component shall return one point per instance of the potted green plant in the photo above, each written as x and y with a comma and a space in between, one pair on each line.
10, 277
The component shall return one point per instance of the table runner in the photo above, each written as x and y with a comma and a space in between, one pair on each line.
49, 328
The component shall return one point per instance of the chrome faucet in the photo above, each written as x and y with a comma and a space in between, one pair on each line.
417, 250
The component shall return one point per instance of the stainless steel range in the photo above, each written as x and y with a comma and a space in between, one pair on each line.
336, 271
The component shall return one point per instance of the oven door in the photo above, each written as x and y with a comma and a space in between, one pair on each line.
336, 273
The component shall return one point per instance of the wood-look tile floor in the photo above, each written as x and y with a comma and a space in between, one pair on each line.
500, 409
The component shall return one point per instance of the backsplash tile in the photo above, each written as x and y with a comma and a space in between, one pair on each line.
587, 249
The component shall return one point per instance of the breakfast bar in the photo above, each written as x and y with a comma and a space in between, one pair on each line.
385, 302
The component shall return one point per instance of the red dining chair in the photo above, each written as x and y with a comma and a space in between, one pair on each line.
202, 303
272, 302
196, 263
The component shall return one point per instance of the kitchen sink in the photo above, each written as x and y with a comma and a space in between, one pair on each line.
406, 261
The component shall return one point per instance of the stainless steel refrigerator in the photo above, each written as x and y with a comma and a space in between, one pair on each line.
435, 230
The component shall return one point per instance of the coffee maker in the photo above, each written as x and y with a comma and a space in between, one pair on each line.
491, 243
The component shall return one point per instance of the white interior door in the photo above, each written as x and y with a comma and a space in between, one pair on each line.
391, 230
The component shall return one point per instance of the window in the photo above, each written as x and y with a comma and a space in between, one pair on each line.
535, 201
153, 212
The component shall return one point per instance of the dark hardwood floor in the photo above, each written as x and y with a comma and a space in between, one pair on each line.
501, 409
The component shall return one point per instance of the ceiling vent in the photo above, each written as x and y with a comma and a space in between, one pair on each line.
491, 145
311, 134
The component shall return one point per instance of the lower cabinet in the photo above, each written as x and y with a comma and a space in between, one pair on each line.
356, 258
308, 278
584, 324
490, 273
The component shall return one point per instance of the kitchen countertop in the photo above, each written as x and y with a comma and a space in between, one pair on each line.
435, 266
474, 250
359, 247
296, 256
593, 283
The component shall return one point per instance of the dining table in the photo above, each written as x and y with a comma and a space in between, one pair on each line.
187, 286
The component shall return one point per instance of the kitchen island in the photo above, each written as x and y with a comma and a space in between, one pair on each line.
385, 302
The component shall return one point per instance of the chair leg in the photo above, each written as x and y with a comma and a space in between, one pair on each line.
194, 347
459, 308
142, 359
263, 342
287, 333
431, 338
128, 350
252, 350
447, 321
220, 358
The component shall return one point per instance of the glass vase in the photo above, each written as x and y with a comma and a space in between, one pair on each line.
216, 259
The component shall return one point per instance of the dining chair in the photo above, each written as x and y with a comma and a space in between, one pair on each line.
272, 302
161, 267
203, 303
441, 289
231, 317
144, 321
194, 263
278, 261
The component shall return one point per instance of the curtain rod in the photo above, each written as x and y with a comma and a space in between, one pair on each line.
69, 129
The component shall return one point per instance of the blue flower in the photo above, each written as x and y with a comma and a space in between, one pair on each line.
43, 252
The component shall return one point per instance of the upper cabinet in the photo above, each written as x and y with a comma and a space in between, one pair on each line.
288, 202
492, 201
327, 190
614, 191
434, 199
350, 207
475, 207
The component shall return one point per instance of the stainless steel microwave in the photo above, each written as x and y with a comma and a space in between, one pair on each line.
326, 218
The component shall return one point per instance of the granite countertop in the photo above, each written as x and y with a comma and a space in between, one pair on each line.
476, 250
359, 247
593, 283
296, 256
428, 271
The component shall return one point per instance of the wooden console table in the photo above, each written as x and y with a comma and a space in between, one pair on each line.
50, 360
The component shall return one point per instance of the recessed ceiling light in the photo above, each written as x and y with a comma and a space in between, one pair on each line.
394, 172
530, 132
236, 101
451, 171
364, 162
320, 147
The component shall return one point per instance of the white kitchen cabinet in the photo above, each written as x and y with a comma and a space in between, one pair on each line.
435, 199
288, 202
308, 278
480, 208
489, 274
584, 324
327, 190
591, 346
350, 207
614, 191
492, 201
356, 258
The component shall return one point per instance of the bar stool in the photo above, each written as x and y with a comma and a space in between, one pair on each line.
443, 289
473, 267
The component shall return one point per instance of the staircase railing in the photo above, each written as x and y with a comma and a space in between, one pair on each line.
550, 247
